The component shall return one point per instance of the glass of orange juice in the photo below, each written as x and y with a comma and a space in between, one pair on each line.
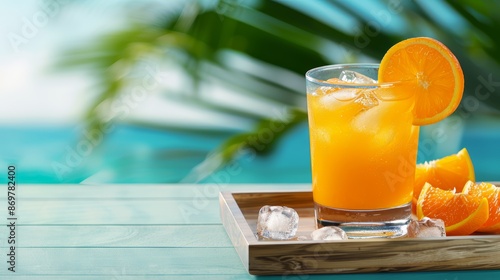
363, 150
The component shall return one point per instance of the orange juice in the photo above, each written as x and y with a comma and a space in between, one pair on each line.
363, 146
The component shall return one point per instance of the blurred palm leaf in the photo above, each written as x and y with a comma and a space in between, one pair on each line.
261, 50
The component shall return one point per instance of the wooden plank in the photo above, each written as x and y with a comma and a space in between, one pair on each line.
350, 256
485, 274
120, 204
103, 236
126, 261
139, 277
139, 191
392, 276
102, 212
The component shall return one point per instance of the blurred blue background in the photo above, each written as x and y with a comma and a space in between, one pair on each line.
214, 91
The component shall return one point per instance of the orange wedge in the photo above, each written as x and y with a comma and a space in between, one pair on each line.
462, 213
492, 193
447, 173
429, 69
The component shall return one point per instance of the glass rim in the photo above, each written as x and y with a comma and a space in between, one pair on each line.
319, 82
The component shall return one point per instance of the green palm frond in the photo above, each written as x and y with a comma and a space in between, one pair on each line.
260, 50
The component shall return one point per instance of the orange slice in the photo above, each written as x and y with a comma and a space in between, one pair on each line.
492, 193
429, 69
462, 213
447, 173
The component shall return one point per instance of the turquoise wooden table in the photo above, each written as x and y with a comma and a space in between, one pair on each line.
138, 231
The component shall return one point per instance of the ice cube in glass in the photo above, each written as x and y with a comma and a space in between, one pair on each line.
354, 77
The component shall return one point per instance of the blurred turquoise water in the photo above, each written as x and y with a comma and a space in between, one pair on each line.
132, 154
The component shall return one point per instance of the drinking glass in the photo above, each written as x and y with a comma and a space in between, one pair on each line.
363, 150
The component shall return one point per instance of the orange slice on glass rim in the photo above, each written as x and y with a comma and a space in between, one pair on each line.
461, 213
429, 69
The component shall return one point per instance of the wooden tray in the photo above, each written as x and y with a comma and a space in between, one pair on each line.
239, 217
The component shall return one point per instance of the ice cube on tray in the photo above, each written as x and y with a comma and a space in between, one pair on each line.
426, 227
277, 222
329, 233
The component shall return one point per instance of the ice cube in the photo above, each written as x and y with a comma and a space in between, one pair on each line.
346, 94
367, 99
329, 233
277, 222
349, 76
324, 91
342, 94
335, 100
372, 119
302, 238
426, 227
